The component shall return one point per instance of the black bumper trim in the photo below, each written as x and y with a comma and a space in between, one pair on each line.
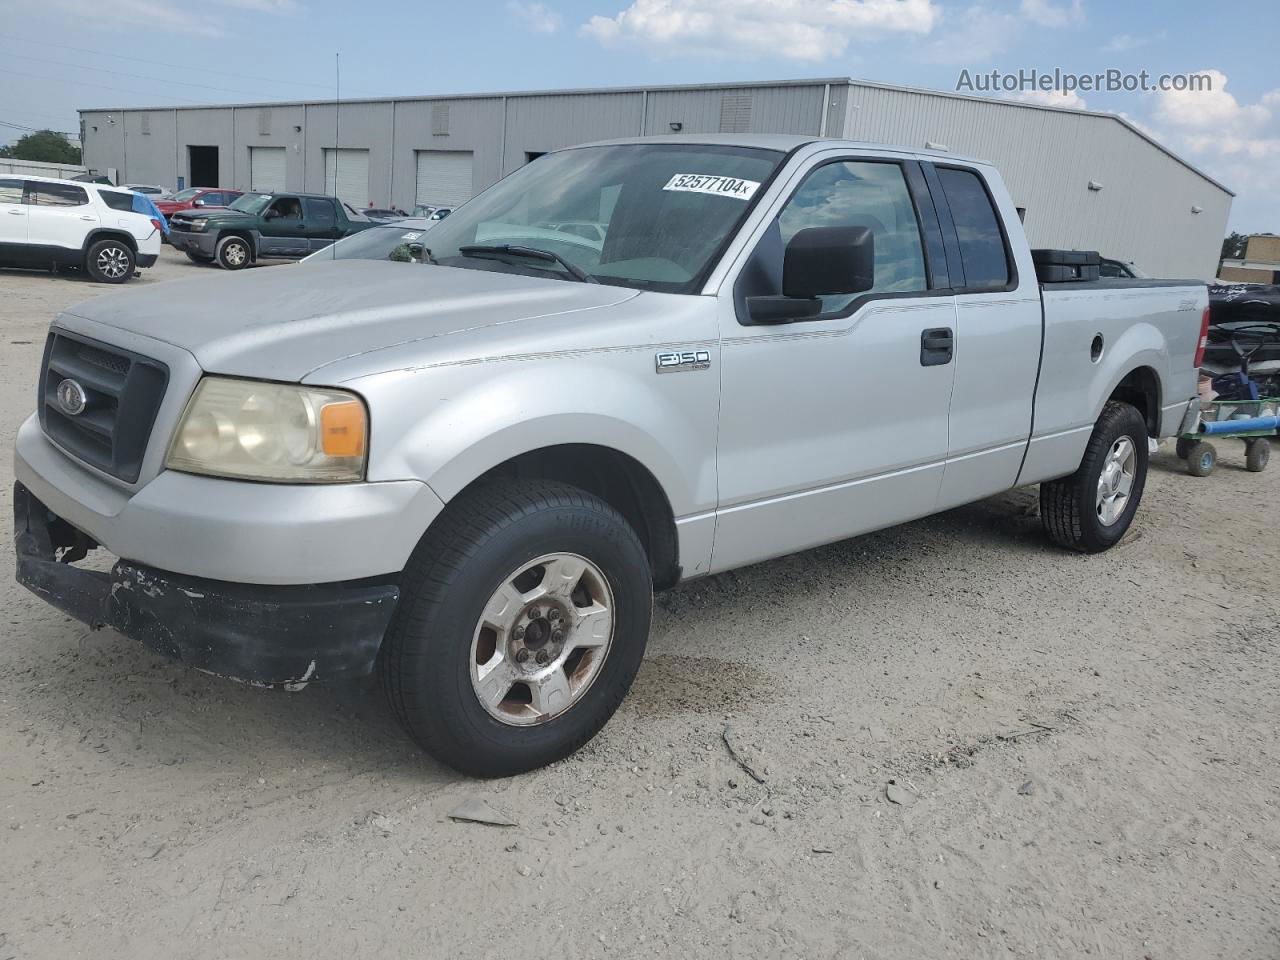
264, 634
147, 259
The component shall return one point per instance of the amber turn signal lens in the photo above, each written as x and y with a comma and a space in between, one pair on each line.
342, 429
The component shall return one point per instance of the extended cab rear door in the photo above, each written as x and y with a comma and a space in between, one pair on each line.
999, 328
836, 424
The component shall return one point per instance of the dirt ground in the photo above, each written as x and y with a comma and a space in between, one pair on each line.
1088, 749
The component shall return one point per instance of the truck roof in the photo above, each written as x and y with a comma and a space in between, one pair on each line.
781, 141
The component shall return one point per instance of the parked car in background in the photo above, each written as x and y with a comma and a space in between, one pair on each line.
194, 197
470, 474
398, 242
424, 210
52, 223
154, 191
383, 214
258, 226
1108, 267
439, 213
93, 178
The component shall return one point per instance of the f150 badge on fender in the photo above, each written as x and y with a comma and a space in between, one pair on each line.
672, 361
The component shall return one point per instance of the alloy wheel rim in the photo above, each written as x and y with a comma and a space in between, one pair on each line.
113, 262
1115, 483
542, 639
235, 254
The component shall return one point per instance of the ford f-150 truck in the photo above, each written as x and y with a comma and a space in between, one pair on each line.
468, 469
256, 226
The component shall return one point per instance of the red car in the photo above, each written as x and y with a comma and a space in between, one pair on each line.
197, 197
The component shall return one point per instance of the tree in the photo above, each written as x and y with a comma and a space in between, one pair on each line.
43, 146
1233, 246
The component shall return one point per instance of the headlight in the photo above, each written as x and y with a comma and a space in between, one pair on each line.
198, 225
253, 430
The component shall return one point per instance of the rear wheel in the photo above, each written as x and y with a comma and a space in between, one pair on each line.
523, 618
1257, 455
1092, 509
233, 253
110, 261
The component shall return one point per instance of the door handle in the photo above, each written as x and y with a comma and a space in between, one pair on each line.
17, 213
937, 346
90, 219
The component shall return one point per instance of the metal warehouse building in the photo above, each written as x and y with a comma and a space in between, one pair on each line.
1086, 180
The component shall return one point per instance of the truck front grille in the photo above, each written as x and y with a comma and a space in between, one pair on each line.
121, 392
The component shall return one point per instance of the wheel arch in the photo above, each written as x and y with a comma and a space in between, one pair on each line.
108, 233
1140, 387
248, 236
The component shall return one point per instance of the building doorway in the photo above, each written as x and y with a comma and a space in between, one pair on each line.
204, 166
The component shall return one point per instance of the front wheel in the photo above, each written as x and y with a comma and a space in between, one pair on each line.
523, 618
233, 253
1092, 509
110, 261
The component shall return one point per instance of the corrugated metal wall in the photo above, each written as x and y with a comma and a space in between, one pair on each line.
1048, 157
1143, 213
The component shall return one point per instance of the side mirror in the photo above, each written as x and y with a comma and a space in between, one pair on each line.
197, 203
829, 261
819, 262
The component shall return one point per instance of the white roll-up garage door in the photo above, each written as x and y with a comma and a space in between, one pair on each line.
266, 168
444, 177
346, 176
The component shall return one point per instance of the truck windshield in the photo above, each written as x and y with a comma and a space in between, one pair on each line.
650, 216
251, 202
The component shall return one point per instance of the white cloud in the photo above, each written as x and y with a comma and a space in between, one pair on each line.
1124, 42
973, 35
810, 30
536, 16
1054, 98
1213, 110
1053, 14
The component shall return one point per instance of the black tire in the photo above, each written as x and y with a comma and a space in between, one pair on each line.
1068, 507
110, 261
1184, 446
198, 257
1201, 458
1257, 455
425, 662
234, 253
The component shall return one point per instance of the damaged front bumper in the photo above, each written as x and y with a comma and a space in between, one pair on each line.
269, 634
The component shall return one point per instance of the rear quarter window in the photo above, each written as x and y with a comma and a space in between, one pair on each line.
117, 201
982, 249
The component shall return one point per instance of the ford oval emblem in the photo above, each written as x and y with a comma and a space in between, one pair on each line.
72, 398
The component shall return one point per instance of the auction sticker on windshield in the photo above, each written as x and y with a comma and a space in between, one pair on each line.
719, 186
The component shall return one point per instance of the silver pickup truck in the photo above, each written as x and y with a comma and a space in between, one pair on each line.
467, 466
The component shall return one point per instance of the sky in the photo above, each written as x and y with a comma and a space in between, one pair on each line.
60, 55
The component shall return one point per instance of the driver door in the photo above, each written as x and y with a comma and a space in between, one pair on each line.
284, 229
836, 425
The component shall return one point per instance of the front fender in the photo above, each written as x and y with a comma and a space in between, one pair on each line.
449, 425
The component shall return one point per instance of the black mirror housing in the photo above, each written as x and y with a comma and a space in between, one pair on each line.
829, 261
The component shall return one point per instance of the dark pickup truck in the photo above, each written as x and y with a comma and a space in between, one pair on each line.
258, 226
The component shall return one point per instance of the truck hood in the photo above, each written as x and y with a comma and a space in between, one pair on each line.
284, 322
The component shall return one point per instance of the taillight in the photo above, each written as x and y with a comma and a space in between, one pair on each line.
160, 226
1204, 338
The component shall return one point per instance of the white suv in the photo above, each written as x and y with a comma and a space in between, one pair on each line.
52, 223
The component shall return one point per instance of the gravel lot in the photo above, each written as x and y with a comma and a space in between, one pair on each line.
1088, 749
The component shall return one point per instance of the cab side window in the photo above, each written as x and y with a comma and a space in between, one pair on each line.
319, 213
11, 190
982, 249
859, 193
287, 208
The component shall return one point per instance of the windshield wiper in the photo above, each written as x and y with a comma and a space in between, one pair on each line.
481, 249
